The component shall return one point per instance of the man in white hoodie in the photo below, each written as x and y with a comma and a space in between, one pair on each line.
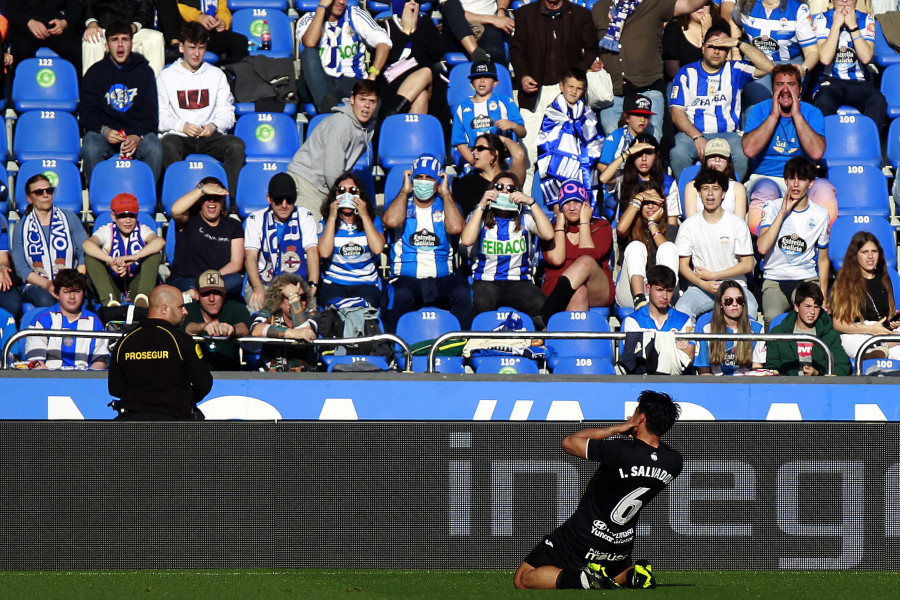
196, 108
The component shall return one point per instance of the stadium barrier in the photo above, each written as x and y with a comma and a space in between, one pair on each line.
431, 495
868, 344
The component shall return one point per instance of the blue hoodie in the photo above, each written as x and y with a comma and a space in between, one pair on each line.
121, 97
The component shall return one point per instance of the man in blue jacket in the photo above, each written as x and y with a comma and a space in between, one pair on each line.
119, 108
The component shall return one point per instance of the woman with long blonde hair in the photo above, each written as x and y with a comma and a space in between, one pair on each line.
729, 315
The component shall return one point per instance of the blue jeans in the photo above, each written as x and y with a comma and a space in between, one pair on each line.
684, 152
695, 302
609, 116
315, 84
11, 301
35, 294
95, 148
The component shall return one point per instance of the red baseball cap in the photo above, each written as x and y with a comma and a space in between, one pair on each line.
124, 203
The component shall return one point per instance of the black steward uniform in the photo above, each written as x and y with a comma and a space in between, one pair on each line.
601, 530
158, 370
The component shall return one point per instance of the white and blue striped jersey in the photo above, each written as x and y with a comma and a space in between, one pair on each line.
342, 46
352, 262
640, 320
780, 33
420, 248
503, 254
712, 100
471, 119
846, 64
66, 352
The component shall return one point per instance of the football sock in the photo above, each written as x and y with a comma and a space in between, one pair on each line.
571, 579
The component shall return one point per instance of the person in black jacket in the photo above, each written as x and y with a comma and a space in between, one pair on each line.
100, 14
54, 24
119, 94
157, 371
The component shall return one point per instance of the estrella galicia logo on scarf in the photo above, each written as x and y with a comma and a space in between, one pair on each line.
120, 97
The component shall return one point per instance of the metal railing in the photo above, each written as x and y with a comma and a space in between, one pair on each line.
875, 339
4, 360
585, 335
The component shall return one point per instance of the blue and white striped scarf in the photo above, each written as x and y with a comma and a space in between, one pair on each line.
47, 257
285, 255
621, 10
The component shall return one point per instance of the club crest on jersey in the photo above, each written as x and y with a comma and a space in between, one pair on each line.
438, 216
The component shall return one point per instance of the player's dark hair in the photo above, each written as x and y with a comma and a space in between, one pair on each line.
659, 409
118, 27
575, 73
718, 27
661, 275
710, 176
364, 86
69, 278
801, 168
811, 290
194, 33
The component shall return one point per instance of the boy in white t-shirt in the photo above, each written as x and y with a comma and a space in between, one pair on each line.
124, 255
793, 238
713, 245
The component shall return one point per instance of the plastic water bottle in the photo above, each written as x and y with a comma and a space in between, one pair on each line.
265, 38
211, 7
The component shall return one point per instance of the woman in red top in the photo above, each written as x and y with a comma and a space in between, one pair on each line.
577, 275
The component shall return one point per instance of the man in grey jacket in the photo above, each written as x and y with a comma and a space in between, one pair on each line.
334, 146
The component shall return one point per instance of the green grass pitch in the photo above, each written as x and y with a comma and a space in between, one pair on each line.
361, 584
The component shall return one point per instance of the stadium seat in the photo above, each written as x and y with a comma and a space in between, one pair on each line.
183, 175
572, 365
487, 321
253, 185
893, 145
687, 176
427, 323
332, 360
170, 241
115, 176
895, 283
406, 137
364, 162
268, 136
46, 134
393, 183
249, 22
442, 364
460, 88
4, 192
861, 190
236, 5
368, 181
890, 87
247, 108
584, 321
63, 175
45, 84
28, 318
506, 365
4, 143
884, 54
455, 58
880, 365
778, 319
845, 226
852, 140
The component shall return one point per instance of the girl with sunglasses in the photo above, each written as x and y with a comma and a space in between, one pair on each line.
490, 154
352, 239
645, 239
577, 276
717, 157
285, 315
503, 254
729, 315
641, 163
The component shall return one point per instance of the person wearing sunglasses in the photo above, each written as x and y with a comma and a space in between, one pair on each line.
216, 317
285, 316
729, 315
55, 237
350, 244
502, 236
279, 239
205, 238
645, 239
713, 246
491, 155
123, 256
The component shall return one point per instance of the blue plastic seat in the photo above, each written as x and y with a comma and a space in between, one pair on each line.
777, 319
363, 162
268, 136
852, 140
63, 175
686, 176
393, 183
331, 360
170, 241
46, 134
183, 175
442, 364
460, 88
404, 138
45, 84
506, 365
893, 145
585, 321
890, 88
4, 192
116, 176
487, 321
845, 226
880, 364
884, 54
247, 108
249, 22
594, 365
28, 318
236, 5
861, 190
427, 323
4, 143
253, 185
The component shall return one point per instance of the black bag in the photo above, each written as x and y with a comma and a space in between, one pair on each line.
269, 82
331, 326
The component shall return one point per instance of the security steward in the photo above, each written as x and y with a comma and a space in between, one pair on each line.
157, 371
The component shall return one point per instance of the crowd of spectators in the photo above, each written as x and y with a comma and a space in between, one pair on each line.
565, 196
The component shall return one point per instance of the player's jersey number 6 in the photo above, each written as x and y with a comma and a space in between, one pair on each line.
628, 507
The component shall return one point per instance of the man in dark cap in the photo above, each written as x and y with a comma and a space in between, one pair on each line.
217, 317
